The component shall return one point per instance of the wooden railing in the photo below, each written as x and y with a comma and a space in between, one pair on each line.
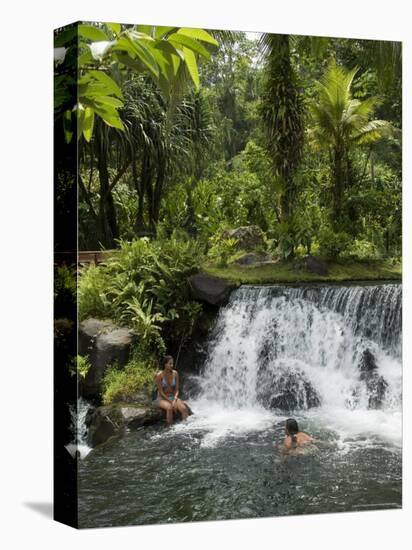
94, 257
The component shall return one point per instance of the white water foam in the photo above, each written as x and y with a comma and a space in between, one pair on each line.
319, 336
216, 422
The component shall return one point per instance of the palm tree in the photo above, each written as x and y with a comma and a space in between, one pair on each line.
282, 103
342, 123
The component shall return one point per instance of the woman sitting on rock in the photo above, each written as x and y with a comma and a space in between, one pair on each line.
167, 382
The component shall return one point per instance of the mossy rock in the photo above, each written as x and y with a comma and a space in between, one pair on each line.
248, 237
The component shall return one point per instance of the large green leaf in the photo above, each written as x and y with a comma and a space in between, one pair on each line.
137, 35
169, 54
146, 57
160, 32
181, 40
92, 33
114, 27
80, 113
129, 62
108, 113
137, 48
167, 59
86, 57
67, 125
108, 100
198, 34
190, 60
88, 123
146, 29
108, 82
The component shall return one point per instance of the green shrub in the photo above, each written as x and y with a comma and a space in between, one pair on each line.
65, 279
123, 384
360, 249
332, 243
221, 250
144, 285
92, 294
286, 241
292, 238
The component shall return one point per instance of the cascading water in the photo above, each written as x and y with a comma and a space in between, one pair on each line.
333, 352
78, 427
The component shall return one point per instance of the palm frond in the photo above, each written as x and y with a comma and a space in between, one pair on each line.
372, 131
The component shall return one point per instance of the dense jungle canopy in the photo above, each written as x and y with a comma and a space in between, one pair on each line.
189, 132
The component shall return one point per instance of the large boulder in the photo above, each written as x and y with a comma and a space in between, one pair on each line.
142, 398
376, 385
248, 237
100, 427
288, 391
116, 419
210, 289
104, 343
312, 265
251, 259
113, 420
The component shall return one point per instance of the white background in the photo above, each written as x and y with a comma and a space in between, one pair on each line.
26, 270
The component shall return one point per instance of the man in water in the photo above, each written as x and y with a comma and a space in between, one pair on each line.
295, 442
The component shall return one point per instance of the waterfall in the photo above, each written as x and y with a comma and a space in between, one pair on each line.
331, 351
78, 427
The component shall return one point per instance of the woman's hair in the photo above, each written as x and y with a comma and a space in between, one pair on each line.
292, 429
166, 359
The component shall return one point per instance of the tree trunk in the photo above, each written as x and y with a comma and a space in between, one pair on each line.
285, 204
282, 112
150, 207
157, 198
107, 221
372, 161
139, 227
338, 177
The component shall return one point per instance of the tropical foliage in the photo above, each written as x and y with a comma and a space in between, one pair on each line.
183, 134
79, 366
100, 55
144, 286
197, 131
122, 384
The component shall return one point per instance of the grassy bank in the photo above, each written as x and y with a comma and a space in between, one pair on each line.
282, 272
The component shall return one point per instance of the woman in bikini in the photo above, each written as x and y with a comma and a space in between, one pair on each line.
167, 382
